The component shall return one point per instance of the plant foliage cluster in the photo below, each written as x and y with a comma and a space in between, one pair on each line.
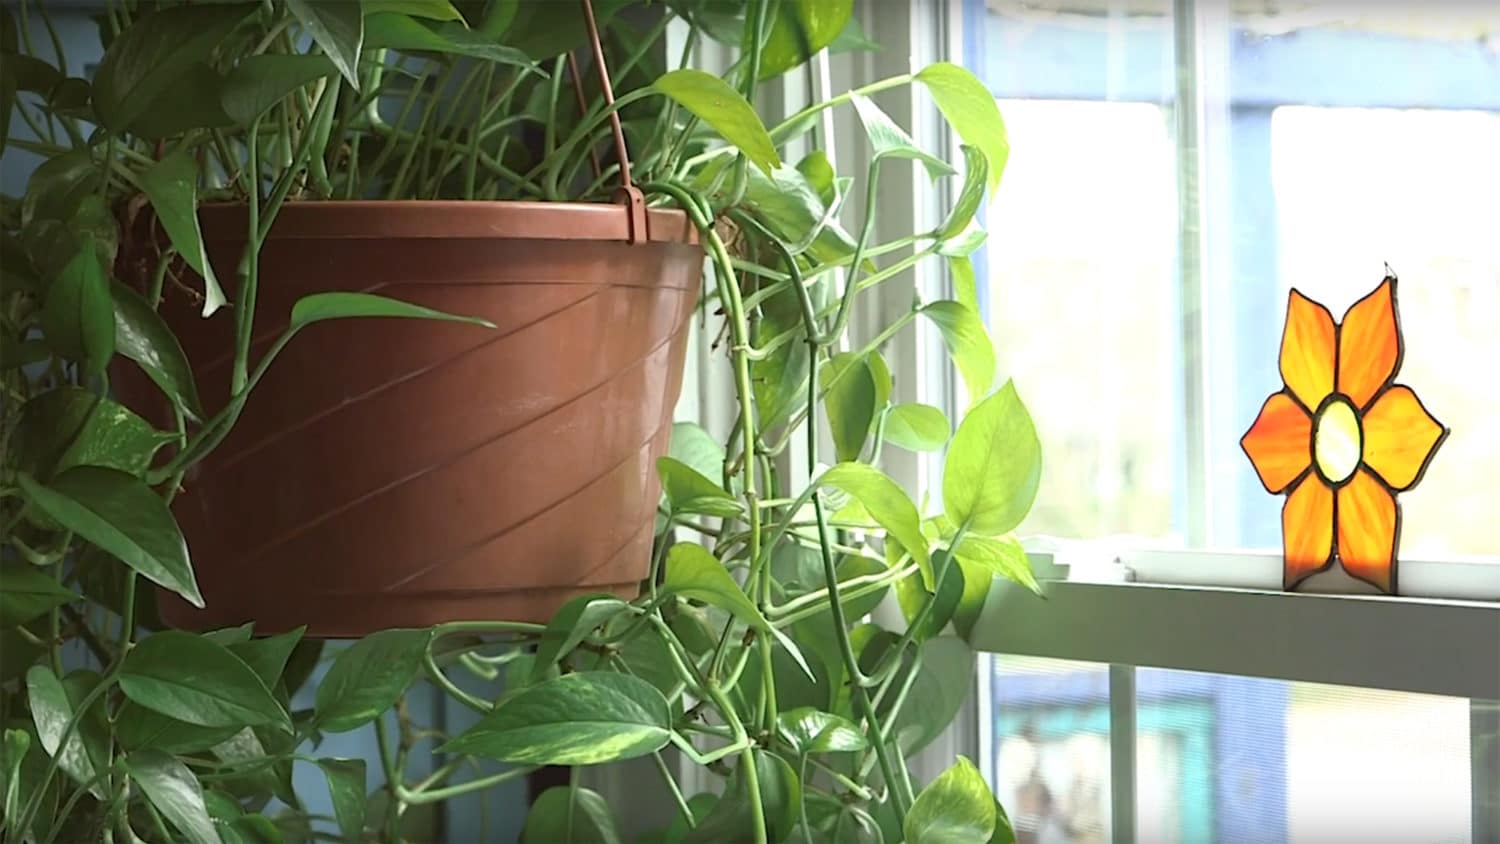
751, 650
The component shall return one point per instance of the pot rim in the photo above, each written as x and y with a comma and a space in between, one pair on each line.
443, 219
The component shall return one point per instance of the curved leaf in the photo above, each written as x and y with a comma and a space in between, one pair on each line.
689, 492
957, 808
51, 710
368, 677
945, 677
267, 656
29, 592
694, 573
802, 28
143, 336
994, 466
400, 32
259, 82
891, 141
976, 175
968, 343
339, 28
346, 790
726, 110
851, 402
438, 10
321, 306
78, 316
917, 427
197, 681
172, 186
965, 285
887, 504
971, 110
780, 800
175, 792
68, 427
548, 821
121, 515
577, 719
999, 556
145, 66
572, 624
810, 730
697, 449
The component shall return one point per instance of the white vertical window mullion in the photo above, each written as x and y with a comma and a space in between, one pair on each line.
1122, 771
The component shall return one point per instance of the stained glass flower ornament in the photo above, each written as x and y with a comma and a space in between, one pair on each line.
1342, 439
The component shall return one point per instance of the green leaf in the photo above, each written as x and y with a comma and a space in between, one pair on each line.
791, 210
976, 174
965, 243
697, 449
713, 101
548, 821
28, 593
7, 105
891, 141
400, 32
971, 110
197, 681
78, 316
30, 73
802, 28
144, 68
1004, 833
321, 306
994, 466
576, 621
346, 789
965, 286
780, 798
51, 710
1000, 556
850, 402
819, 172
694, 573
911, 595
809, 730
175, 792
121, 515
968, 343
437, 10
917, 427
139, 728
267, 656
197, 103
957, 808
69, 427
17, 743
368, 677
172, 187
689, 492
887, 504
259, 82
339, 28
583, 718
945, 676
143, 336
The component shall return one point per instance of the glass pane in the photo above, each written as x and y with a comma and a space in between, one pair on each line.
1080, 263
1223, 758
1049, 753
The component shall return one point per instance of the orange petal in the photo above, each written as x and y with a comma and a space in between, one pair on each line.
1306, 530
1400, 437
1368, 520
1307, 350
1279, 444
1369, 345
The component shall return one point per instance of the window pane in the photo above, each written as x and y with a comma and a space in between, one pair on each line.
1246, 759
1050, 748
1082, 298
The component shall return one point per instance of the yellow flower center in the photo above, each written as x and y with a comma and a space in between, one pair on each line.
1338, 441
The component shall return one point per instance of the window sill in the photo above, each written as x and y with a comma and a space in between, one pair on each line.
1428, 645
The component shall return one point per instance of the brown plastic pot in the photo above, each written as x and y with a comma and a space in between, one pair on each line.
401, 472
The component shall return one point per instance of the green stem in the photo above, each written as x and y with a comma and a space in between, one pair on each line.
438, 795
674, 790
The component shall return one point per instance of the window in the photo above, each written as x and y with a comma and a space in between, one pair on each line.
1176, 169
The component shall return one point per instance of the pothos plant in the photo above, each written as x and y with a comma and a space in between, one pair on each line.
751, 650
